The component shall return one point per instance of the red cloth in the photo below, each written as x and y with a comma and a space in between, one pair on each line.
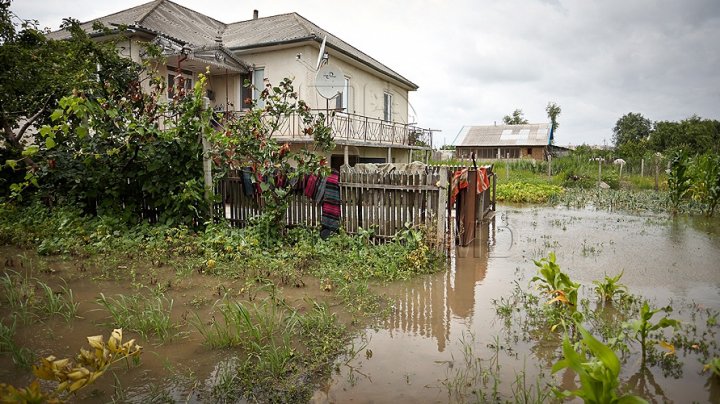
310, 185
483, 180
459, 181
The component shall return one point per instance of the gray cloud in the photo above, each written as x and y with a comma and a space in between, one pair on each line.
476, 61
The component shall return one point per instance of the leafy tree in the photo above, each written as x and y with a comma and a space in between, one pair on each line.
630, 135
249, 143
516, 118
553, 110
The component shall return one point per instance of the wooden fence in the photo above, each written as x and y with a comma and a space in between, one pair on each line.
382, 202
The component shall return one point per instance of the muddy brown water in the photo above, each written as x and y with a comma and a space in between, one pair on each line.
419, 348
411, 355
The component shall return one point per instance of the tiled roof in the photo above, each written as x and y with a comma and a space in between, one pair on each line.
505, 135
196, 29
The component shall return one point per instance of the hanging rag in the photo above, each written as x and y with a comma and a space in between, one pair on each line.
459, 181
330, 219
247, 184
320, 191
311, 185
483, 180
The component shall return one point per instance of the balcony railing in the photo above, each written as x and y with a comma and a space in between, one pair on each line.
357, 129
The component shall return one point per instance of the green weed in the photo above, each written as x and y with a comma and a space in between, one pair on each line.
21, 356
610, 287
62, 303
145, 315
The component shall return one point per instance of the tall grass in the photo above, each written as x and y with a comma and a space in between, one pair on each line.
147, 316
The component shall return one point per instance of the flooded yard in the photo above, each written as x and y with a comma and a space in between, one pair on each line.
467, 334
445, 331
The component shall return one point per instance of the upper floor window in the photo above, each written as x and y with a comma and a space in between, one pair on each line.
342, 99
387, 107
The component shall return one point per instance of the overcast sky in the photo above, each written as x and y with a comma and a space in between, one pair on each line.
476, 61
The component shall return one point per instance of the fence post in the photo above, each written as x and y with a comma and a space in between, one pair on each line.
599, 172
442, 207
207, 168
642, 167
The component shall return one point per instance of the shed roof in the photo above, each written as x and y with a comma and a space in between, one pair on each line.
538, 134
169, 19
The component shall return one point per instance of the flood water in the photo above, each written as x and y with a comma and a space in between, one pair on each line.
411, 356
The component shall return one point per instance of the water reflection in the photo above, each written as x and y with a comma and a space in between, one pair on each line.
426, 307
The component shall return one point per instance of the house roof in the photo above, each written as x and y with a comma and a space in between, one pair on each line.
539, 134
179, 23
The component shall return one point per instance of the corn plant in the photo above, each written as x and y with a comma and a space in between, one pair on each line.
599, 374
678, 178
642, 327
556, 283
705, 186
610, 287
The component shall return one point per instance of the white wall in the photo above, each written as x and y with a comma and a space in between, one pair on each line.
366, 88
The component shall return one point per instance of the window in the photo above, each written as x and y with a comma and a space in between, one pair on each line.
341, 101
387, 107
258, 77
172, 85
246, 93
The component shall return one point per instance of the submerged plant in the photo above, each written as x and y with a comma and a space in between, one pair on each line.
642, 327
147, 316
599, 373
610, 287
557, 283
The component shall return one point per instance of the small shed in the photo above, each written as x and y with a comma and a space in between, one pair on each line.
490, 142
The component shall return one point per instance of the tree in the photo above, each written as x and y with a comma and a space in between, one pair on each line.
248, 143
517, 118
553, 110
630, 135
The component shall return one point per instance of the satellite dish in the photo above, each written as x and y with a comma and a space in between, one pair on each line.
329, 81
322, 52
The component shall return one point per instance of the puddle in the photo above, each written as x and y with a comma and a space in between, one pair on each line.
416, 352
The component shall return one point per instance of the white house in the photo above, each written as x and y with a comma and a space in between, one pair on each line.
371, 123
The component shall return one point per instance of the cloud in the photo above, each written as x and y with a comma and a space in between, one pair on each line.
476, 61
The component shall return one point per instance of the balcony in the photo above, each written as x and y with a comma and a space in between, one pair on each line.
357, 130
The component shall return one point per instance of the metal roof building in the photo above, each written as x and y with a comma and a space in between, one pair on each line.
505, 141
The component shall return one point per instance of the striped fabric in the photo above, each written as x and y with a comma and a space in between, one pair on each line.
330, 219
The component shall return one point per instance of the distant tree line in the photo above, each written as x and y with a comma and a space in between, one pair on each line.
636, 136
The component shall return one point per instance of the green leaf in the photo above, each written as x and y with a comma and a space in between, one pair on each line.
82, 131
30, 151
57, 114
49, 142
602, 352
11, 163
630, 399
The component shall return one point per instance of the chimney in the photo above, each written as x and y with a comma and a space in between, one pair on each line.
255, 14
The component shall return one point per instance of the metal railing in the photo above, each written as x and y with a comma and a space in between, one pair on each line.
356, 128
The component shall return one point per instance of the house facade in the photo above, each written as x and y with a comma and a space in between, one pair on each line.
370, 120
490, 142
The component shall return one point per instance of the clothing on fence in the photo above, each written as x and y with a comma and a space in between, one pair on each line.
320, 191
459, 181
311, 184
330, 219
247, 184
483, 180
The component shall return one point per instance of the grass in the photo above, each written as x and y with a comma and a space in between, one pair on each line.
21, 356
62, 304
285, 350
148, 316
